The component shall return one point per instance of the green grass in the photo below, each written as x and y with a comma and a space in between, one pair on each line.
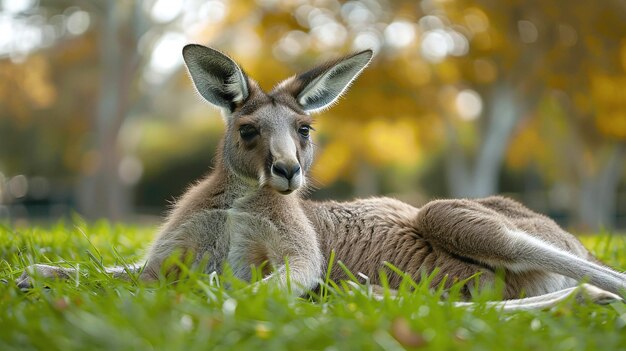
97, 312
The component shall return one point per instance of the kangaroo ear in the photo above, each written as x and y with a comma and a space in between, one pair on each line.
318, 88
216, 77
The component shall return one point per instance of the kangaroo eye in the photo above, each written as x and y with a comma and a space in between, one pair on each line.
304, 131
248, 132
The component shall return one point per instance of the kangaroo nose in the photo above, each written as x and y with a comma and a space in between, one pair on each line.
285, 171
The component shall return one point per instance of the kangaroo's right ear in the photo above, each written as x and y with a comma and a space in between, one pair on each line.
320, 87
216, 77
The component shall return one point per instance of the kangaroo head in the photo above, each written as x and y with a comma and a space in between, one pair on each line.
267, 140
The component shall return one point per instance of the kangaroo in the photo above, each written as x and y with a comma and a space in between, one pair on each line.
251, 208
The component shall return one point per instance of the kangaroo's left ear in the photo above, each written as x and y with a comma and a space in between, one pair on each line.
319, 87
216, 77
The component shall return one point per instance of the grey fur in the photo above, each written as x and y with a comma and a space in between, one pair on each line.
245, 213
216, 77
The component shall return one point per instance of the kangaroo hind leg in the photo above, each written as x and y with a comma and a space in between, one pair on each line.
585, 291
468, 229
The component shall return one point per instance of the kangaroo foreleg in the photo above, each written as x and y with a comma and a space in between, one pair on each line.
44, 271
299, 278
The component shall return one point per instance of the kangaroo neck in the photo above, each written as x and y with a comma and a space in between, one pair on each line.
217, 191
223, 186
233, 187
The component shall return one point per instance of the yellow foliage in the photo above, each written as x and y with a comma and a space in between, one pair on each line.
36, 82
448, 72
482, 41
485, 70
333, 160
476, 20
518, 156
612, 124
582, 102
418, 72
391, 142
29, 81
430, 130
623, 55
604, 88
609, 98
392, 112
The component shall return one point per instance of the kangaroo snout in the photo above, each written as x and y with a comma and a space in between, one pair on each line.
286, 171
286, 176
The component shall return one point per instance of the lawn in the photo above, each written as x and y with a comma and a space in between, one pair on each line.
94, 311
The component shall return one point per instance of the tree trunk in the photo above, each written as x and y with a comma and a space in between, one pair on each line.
598, 192
457, 169
504, 116
480, 178
101, 193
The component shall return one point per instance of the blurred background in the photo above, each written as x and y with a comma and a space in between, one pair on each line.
464, 99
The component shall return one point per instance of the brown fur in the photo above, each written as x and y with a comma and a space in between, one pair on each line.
366, 233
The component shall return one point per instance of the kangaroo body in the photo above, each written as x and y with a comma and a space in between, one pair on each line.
366, 233
249, 211
262, 227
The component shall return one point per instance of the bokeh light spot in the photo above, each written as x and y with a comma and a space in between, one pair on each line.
78, 22
527, 31
400, 33
469, 105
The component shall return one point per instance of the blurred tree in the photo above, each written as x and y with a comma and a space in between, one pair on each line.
583, 111
128, 50
122, 25
43, 127
470, 82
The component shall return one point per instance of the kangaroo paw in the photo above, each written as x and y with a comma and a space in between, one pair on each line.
25, 281
597, 295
